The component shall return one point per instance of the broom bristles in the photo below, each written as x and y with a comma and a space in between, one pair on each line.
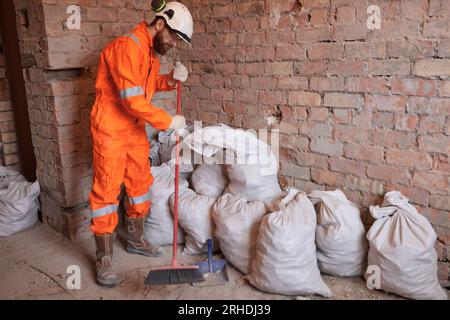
173, 276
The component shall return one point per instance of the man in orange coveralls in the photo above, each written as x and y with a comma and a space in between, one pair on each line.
127, 78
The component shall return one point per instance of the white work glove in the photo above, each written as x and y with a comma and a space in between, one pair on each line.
180, 72
178, 124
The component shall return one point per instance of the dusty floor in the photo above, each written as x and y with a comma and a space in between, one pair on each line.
33, 265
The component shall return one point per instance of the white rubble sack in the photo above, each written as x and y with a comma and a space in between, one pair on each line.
18, 202
340, 234
252, 169
159, 222
195, 217
285, 260
237, 222
210, 179
248, 182
401, 248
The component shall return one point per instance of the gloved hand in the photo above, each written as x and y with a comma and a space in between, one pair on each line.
180, 72
178, 124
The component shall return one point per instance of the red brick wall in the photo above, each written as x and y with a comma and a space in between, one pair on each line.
9, 156
365, 111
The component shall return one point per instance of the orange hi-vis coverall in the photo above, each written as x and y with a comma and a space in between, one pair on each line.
127, 78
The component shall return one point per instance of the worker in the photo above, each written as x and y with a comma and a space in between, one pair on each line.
127, 78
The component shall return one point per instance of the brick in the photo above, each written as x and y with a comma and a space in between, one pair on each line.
313, 34
365, 50
304, 98
311, 160
410, 49
440, 202
444, 48
326, 84
292, 170
272, 98
383, 120
318, 114
413, 9
406, 122
8, 137
441, 163
327, 146
245, 95
101, 14
278, 68
349, 133
444, 91
432, 67
393, 139
234, 107
294, 83
251, 8
372, 85
325, 51
250, 69
315, 129
439, 144
346, 68
388, 67
420, 105
290, 52
294, 142
388, 173
437, 28
350, 32
416, 87
342, 116
364, 184
308, 68
222, 94
410, 159
430, 181
345, 15
432, 124
342, 100
348, 166
263, 83
363, 152
415, 195
288, 127
318, 17
327, 177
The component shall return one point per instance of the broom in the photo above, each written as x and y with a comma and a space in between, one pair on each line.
175, 273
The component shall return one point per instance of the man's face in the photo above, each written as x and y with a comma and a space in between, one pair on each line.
165, 40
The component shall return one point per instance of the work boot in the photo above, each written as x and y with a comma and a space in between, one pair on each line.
105, 274
135, 239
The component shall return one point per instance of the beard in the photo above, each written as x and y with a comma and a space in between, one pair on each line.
160, 47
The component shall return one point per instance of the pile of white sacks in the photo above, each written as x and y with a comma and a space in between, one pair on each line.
283, 239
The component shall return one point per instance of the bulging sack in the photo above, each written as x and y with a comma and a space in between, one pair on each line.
159, 222
195, 217
285, 260
237, 222
248, 182
401, 249
18, 202
340, 234
210, 179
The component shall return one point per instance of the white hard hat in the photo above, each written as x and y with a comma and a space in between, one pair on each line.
179, 19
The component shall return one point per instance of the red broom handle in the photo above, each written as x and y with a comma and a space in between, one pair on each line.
177, 178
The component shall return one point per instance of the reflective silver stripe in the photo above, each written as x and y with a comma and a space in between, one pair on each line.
131, 92
132, 36
104, 211
140, 199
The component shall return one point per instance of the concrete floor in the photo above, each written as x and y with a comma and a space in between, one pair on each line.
33, 265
